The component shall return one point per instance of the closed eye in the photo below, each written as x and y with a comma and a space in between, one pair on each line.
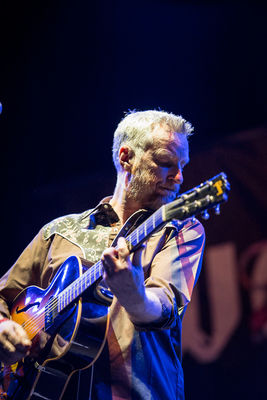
165, 164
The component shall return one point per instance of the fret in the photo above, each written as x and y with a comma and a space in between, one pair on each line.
141, 232
77, 288
98, 271
90, 277
129, 242
83, 285
87, 280
72, 292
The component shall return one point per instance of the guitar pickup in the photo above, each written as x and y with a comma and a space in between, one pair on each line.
51, 311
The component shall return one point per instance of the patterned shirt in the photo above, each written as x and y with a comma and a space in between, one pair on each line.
138, 361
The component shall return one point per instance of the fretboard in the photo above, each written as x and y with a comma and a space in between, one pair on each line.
138, 236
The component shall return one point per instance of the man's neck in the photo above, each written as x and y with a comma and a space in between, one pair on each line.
121, 203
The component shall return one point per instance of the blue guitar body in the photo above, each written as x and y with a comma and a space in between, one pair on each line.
63, 342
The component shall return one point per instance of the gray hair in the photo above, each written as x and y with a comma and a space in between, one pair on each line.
136, 126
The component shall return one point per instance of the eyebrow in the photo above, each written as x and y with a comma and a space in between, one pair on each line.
169, 153
166, 152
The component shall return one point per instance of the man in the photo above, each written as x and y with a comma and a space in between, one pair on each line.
142, 355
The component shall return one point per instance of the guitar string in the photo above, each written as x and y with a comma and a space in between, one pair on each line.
77, 285
36, 323
134, 238
67, 294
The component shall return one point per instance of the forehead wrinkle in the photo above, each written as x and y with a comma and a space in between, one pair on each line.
177, 146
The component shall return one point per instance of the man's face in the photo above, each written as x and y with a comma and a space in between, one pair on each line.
157, 174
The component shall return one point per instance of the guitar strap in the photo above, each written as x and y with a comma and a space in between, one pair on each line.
131, 224
136, 219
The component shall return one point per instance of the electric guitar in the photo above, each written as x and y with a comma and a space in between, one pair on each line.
68, 321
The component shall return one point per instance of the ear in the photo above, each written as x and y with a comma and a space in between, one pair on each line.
126, 156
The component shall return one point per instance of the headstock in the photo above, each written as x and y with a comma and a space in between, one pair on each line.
209, 194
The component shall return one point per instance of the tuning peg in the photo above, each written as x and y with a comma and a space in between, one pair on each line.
205, 215
217, 209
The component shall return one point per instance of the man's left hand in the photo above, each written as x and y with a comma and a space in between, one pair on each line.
126, 281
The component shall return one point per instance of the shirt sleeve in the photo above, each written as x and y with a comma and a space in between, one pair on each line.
174, 271
25, 272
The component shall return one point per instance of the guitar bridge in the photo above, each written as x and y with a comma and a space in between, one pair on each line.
50, 311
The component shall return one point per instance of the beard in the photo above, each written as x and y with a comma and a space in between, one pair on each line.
144, 190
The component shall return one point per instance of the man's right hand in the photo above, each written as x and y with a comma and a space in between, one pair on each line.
14, 342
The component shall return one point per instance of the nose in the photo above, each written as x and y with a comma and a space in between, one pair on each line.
177, 175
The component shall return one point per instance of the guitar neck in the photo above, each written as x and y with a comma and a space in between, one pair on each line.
199, 199
135, 239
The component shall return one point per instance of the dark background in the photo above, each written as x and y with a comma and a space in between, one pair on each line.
70, 69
